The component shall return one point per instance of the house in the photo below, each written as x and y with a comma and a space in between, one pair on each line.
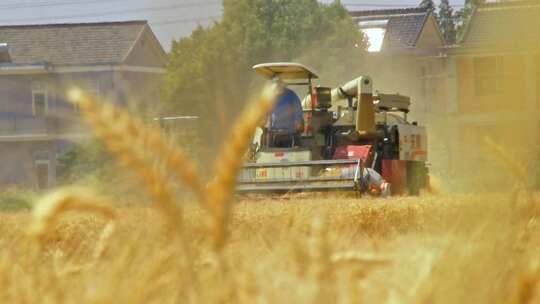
486, 86
120, 62
400, 31
405, 48
407, 55
493, 82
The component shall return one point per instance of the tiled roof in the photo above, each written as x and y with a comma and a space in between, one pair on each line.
71, 44
505, 24
403, 28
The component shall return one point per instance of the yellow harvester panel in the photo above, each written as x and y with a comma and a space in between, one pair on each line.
296, 173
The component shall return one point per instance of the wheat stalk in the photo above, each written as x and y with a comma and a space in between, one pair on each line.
517, 169
49, 209
528, 288
175, 159
128, 138
119, 131
519, 173
229, 161
357, 257
104, 237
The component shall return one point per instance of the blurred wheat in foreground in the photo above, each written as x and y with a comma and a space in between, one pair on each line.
75, 248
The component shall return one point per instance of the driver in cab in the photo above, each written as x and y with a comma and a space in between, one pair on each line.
286, 121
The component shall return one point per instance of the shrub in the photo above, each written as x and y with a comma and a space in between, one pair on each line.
13, 198
82, 160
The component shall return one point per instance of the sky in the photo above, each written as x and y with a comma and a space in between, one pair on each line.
169, 19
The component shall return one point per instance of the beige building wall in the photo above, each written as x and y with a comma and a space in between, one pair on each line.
490, 95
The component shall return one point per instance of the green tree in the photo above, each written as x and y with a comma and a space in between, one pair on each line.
82, 160
427, 4
446, 22
209, 73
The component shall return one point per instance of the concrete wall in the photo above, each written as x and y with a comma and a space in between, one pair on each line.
19, 161
508, 116
139, 92
16, 115
147, 53
24, 137
16, 94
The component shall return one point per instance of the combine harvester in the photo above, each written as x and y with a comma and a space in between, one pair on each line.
347, 129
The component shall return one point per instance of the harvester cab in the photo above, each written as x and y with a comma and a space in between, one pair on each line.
346, 130
287, 75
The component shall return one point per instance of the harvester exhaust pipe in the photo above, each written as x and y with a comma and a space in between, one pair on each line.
362, 89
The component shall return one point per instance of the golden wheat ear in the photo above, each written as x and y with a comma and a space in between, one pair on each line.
229, 162
174, 158
48, 210
516, 168
520, 175
128, 139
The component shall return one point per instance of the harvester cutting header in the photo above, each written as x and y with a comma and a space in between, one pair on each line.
345, 138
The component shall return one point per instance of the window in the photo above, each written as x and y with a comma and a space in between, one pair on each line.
488, 75
41, 165
374, 30
427, 81
375, 37
40, 102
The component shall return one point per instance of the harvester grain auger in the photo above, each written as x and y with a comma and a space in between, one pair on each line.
347, 130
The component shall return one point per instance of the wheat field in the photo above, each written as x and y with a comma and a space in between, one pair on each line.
455, 249
75, 246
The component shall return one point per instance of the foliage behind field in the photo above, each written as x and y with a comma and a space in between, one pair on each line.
209, 73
